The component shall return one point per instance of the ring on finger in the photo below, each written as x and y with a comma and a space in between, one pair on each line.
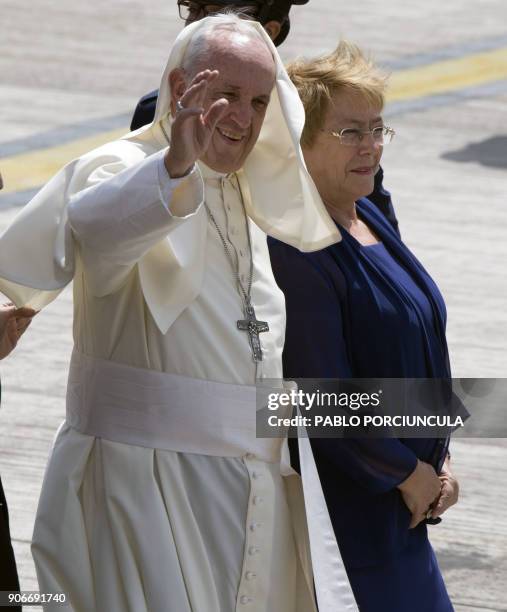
179, 106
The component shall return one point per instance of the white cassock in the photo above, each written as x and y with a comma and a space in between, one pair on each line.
125, 527
158, 496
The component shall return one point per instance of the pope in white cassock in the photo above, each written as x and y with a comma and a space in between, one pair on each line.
158, 497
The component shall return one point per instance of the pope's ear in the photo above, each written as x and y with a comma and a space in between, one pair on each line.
177, 86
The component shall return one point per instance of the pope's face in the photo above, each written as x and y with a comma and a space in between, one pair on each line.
246, 79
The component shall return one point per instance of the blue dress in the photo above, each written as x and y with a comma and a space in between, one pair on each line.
369, 311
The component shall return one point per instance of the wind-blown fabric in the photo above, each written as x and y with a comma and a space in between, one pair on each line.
36, 250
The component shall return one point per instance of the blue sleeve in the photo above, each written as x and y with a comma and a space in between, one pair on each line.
315, 347
377, 465
314, 343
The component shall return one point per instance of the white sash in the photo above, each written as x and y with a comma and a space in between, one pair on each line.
171, 412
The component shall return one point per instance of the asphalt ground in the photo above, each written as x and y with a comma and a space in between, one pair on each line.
70, 75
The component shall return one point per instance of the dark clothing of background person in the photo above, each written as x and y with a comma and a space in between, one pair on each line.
145, 110
356, 311
8, 573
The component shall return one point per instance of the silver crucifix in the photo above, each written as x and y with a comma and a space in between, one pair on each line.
254, 327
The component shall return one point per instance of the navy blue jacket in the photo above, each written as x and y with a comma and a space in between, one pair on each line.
324, 340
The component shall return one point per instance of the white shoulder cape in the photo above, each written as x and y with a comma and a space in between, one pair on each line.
37, 250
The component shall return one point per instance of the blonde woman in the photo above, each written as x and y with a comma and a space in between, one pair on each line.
363, 308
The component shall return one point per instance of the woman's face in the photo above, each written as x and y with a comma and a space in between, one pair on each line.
344, 173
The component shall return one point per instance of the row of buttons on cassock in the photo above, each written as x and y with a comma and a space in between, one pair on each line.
255, 524
232, 230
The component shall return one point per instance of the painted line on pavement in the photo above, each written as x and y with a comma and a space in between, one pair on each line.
455, 51
28, 170
403, 107
418, 85
448, 75
64, 133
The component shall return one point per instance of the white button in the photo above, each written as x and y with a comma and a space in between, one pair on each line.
250, 576
244, 599
250, 456
253, 550
241, 253
257, 500
255, 526
255, 475
228, 207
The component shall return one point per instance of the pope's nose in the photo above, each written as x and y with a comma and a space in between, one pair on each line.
241, 114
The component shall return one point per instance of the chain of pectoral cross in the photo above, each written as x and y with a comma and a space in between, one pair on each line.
250, 324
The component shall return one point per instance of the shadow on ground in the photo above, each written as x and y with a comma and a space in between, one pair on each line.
491, 152
462, 560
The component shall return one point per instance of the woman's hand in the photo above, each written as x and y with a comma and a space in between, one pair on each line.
449, 493
192, 128
419, 491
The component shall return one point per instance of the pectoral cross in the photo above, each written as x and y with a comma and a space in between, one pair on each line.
253, 327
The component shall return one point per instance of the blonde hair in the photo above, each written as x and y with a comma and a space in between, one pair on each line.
347, 69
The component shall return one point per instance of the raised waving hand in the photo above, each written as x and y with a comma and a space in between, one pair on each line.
193, 125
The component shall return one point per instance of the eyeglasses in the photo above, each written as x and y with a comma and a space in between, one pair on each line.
352, 137
192, 11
